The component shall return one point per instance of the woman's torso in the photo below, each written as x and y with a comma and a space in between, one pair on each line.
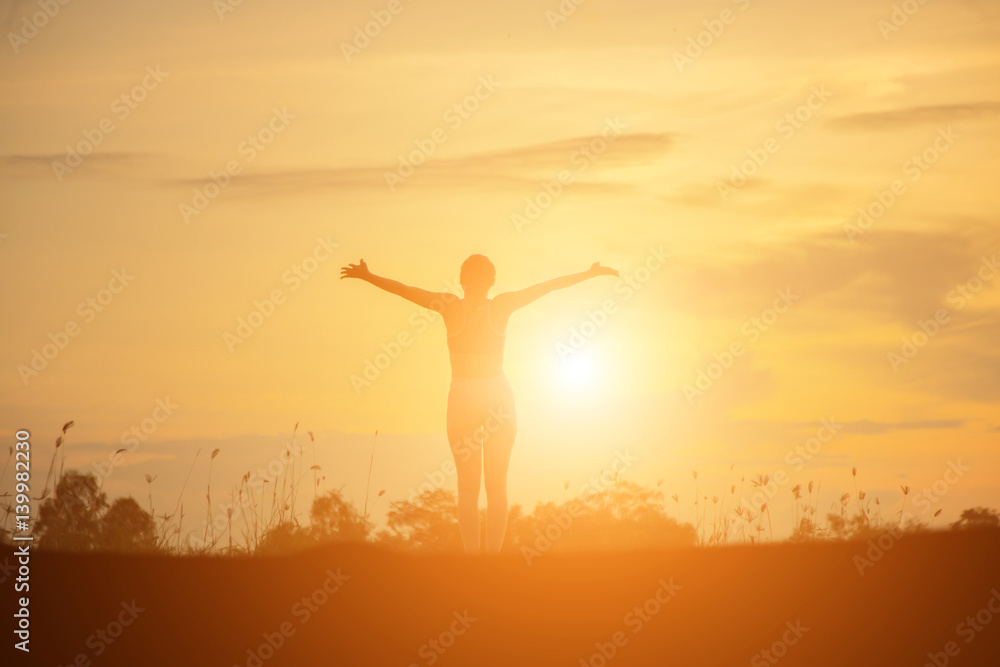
476, 336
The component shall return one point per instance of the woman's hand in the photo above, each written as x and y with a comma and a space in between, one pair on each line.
597, 270
355, 271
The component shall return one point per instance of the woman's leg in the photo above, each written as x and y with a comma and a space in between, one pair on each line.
500, 428
464, 437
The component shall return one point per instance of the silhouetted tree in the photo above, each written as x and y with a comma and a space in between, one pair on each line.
429, 523
77, 518
623, 516
285, 538
977, 517
127, 527
70, 519
333, 519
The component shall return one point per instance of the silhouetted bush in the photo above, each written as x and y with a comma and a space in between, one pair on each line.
126, 527
77, 518
624, 515
429, 523
977, 517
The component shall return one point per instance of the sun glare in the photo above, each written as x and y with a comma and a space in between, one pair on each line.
578, 371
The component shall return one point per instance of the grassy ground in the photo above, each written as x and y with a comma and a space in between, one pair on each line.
805, 604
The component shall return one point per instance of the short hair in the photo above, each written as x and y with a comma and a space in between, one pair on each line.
478, 270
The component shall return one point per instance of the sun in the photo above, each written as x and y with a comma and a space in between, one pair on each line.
578, 371
581, 381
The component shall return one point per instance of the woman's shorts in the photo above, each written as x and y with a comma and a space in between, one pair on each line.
480, 402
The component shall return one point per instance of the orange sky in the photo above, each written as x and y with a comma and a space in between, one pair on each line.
744, 159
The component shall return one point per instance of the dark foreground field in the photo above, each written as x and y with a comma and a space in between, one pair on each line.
805, 605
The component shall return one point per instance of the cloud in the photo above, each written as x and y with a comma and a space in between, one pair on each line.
295, 180
98, 459
859, 300
516, 168
961, 360
869, 427
797, 431
888, 275
708, 196
770, 199
96, 164
626, 150
915, 115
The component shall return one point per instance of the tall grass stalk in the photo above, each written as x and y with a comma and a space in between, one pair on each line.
368, 486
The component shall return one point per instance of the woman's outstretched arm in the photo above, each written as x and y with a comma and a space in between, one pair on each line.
511, 301
421, 297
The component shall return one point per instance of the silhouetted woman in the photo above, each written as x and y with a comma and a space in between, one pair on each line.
481, 419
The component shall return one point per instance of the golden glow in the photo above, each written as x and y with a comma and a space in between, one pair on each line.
578, 373
656, 183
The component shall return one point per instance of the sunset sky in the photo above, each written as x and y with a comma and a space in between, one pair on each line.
738, 139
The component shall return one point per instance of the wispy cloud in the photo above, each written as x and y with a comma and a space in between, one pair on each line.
891, 276
916, 115
869, 427
494, 170
116, 164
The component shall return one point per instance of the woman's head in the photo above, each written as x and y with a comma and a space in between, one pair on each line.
478, 273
